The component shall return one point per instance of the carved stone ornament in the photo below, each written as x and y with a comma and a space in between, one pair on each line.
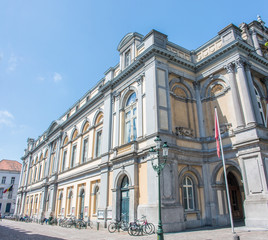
216, 89
183, 131
239, 63
229, 68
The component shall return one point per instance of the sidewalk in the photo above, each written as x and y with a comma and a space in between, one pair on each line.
12, 230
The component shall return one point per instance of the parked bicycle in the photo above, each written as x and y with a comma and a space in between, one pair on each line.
80, 223
141, 227
117, 225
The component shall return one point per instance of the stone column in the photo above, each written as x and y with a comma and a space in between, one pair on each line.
256, 42
103, 200
117, 121
140, 108
48, 160
27, 171
56, 166
107, 129
21, 175
22, 203
253, 94
199, 110
236, 101
244, 92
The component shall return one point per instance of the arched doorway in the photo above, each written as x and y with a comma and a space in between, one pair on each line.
82, 203
235, 197
124, 202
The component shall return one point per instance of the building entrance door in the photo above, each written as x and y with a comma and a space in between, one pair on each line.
235, 197
124, 206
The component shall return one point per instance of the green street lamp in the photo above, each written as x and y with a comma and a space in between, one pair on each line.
158, 167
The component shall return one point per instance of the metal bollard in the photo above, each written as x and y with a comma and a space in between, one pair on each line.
98, 225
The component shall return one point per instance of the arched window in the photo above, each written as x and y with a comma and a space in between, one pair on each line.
64, 160
124, 205
258, 97
98, 135
60, 203
70, 200
82, 203
188, 194
131, 118
96, 199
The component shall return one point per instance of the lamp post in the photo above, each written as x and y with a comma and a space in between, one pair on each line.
155, 154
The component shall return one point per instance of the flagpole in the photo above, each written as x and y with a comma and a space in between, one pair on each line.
225, 175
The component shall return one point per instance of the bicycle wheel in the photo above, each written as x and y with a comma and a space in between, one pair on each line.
152, 227
124, 226
112, 227
133, 230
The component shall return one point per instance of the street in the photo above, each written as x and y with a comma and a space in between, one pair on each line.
12, 230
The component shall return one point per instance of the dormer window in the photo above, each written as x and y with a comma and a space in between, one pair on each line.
127, 58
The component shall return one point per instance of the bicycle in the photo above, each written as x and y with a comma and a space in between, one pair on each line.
80, 223
117, 225
140, 227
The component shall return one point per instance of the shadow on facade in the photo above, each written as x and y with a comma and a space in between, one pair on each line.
7, 233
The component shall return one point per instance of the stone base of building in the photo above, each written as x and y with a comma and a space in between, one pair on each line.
172, 216
256, 211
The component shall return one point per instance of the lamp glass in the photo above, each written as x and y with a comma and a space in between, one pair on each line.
157, 142
165, 149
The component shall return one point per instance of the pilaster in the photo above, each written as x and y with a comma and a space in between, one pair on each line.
253, 94
199, 110
235, 96
140, 106
244, 92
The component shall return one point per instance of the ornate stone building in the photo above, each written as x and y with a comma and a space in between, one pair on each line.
93, 161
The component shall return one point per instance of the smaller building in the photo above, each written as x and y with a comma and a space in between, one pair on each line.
9, 181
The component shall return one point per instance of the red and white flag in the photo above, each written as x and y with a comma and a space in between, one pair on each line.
217, 131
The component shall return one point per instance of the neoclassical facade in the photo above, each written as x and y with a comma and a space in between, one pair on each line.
93, 161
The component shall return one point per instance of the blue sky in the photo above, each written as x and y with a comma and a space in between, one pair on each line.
54, 51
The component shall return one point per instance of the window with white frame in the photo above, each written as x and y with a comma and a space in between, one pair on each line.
39, 173
4, 180
131, 119
12, 180
98, 143
70, 199
127, 58
85, 150
10, 194
73, 156
258, 97
1, 192
96, 199
64, 160
188, 194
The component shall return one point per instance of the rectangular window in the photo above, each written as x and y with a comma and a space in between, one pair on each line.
1, 192
9, 194
8, 206
12, 180
85, 149
98, 143
127, 58
4, 180
73, 156
39, 174
63, 160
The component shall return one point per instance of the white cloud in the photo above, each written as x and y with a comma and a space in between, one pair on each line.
41, 79
12, 63
6, 119
57, 77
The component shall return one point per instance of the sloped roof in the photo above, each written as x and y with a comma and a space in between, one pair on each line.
10, 165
